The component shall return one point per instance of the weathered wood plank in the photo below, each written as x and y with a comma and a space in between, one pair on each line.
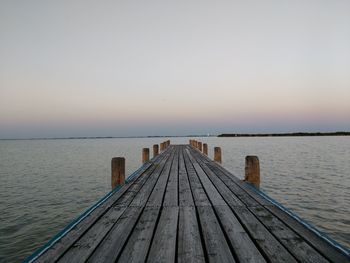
235, 189
189, 241
163, 248
199, 195
322, 246
215, 243
139, 242
126, 198
183, 207
83, 248
242, 245
157, 195
185, 193
112, 245
252, 197
214, 196
267, 243
171, 194
293, 242
224, 191
144, 193
64, 243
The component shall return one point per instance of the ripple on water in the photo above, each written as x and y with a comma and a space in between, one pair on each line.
46, 184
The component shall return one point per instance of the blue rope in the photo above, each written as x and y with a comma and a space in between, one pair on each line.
308, 225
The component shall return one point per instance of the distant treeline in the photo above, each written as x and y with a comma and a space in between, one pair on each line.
284, 134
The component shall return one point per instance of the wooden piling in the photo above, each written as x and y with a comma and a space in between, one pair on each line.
205, 148
145, 155
118, 171
217, 154
252, 170
155, 150
161, 146
200, 148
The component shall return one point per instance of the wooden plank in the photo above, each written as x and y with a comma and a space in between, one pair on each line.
112, 245
144, 193
293, 242
236, 190
267, 243
137, 185
64, 243
199, 195
323, 247
213, 194
189, 241
140, 240
157, 195
242, 245
83, 248
171, 194
185, 194
215, 243
163, 248
244, 189
253, 199
228, 195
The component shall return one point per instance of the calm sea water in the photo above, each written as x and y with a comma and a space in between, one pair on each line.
45, 184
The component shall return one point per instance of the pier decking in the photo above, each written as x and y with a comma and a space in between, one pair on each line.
183, 207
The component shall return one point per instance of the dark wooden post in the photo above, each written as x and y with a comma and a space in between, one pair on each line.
217, 154
155, 150
200, 146
252, 170
205, 148
161, 146
118, 171
145, 155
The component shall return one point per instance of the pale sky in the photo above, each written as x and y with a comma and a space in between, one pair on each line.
126, 68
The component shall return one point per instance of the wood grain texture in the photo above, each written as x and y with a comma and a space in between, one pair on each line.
163, 247
183, 207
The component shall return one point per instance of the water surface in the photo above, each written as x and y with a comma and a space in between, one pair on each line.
45, 184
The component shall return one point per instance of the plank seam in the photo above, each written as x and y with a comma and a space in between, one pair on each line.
200, 230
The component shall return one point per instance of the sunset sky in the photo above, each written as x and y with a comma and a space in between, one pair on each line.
128, 68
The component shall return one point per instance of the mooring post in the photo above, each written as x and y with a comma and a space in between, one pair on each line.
155, 150
217, 154
145, 155
205, 148
200, 146
161, 146
118, 171
252, 170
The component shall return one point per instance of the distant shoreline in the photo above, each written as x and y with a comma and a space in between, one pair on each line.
106, 137
292, 134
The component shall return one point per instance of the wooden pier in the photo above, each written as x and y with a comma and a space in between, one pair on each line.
183, 207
